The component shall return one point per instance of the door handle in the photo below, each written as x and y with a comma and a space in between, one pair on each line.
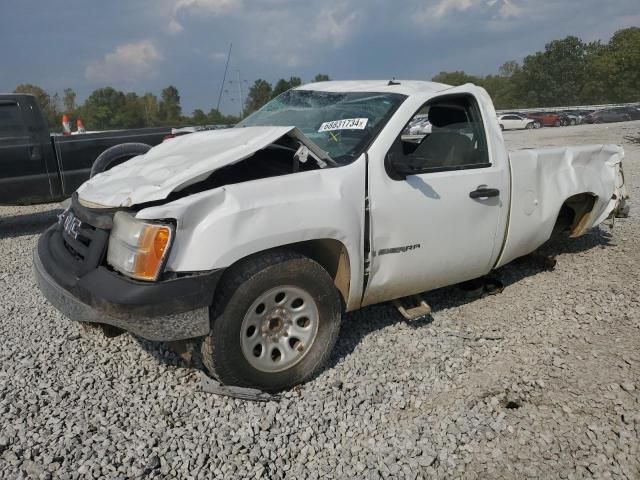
484, 193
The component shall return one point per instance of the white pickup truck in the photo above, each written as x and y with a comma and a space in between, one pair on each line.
255, 239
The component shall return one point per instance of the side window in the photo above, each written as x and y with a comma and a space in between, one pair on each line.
451, 137
11, 124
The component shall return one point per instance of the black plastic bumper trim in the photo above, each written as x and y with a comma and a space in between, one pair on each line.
167, 310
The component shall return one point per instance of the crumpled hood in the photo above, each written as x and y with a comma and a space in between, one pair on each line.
180, 162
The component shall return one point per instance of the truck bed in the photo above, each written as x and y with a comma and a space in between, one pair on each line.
544, 178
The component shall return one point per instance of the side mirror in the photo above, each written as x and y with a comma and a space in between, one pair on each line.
398, 168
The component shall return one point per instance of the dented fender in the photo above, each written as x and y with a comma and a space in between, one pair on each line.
543, 179
216, 228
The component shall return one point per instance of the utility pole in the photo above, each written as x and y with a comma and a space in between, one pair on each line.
241, 99
224, 78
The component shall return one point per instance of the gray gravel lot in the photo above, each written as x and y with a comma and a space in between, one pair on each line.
540, 381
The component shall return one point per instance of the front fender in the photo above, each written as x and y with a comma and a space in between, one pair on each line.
218, 227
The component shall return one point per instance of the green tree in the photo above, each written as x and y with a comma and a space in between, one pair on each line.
555, 76
199, 117
283, 85
132, 114
454, 78
321, 77
259, 94
169, 109
151, 109
508, 69
623, 65
69, 100
48, 104
101, 110
214, 117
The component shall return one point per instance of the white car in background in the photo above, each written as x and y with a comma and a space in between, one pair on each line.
515, 122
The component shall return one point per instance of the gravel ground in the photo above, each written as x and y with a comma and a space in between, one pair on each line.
540, 381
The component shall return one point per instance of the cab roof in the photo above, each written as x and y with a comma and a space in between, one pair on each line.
404, 87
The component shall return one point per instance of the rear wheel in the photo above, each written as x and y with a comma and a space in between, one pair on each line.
274, 322
502, 127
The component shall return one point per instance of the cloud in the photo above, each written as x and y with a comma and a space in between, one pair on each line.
128, 62
496, 9
175, 27
213, 8
507, 9
336, 25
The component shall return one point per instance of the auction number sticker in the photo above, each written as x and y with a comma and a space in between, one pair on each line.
346, 124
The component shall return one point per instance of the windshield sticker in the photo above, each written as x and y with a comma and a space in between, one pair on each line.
346, 124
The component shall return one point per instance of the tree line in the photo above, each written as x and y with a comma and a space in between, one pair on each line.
568, 72
107, 108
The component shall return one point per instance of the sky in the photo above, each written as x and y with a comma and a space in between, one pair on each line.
145, 45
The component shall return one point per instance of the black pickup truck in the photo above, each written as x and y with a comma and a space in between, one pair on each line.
37, 167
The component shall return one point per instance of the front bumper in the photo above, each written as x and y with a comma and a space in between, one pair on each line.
175, 309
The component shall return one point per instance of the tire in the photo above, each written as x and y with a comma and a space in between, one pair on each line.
573, 122
502, 127
537, 125
530, 125
116, 155
246, 313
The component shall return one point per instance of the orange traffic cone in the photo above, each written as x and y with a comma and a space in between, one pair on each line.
66, 125
80, 126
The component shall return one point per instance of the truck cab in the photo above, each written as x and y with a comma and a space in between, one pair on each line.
27, 161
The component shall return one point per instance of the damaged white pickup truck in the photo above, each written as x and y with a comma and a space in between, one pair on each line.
255, 239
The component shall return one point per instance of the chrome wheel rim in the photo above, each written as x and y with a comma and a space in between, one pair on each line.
279, 329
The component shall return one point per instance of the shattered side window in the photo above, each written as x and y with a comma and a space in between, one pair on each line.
342, 124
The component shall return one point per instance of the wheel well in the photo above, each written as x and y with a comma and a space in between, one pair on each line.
574, 214
334, 258
331, 254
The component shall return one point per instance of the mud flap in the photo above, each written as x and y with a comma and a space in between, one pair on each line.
209, 385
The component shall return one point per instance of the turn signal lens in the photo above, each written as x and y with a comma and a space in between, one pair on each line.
153, 243
138, 248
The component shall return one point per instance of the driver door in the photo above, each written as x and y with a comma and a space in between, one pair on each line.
445, 223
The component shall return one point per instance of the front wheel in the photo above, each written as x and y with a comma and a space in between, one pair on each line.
274, 322
529, 126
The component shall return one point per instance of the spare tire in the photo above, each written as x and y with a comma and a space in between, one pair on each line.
116, 155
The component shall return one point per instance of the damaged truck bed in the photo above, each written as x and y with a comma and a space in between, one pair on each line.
255, 239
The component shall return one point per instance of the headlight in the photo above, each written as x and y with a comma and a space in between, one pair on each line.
138, 248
